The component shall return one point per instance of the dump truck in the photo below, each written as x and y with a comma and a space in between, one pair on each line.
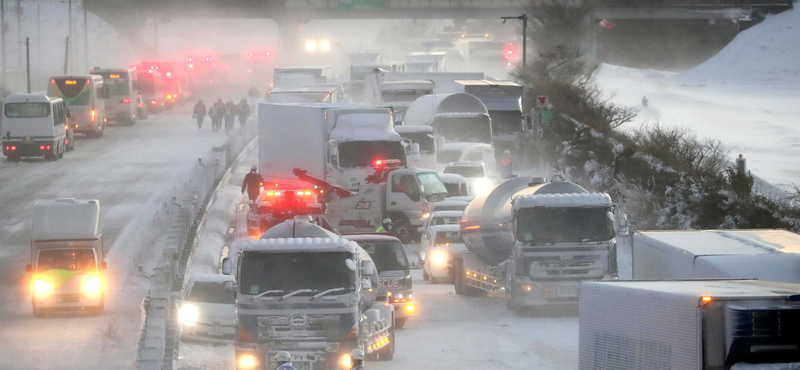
689, 325
535, 240
305, 290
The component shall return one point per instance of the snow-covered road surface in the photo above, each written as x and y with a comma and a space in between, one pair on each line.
131, 170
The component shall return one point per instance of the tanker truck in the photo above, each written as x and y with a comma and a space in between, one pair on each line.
308, 291
535, 241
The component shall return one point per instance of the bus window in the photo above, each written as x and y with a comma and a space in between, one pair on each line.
116, 83
74, 91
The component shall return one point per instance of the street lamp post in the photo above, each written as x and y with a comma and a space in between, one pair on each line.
524, 19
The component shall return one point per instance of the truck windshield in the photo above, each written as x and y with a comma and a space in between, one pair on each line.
27, 110
116, 82
456, 189
447, 156
445, 221
287, 272
434, 189
387, 255
464, 129
506, 122
210, 292
424, 139
447, 237
552, 225
70, 261
405, 95
466, 171
74, 91
365, 153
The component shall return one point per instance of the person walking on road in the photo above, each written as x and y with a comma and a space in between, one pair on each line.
252, 183
357, 359
505, 165
199, 113
230, 115
217, 112
284, 361
253, 94
244, 112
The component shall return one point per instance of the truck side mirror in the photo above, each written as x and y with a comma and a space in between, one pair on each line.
67, 112
103, 266
229, 286
28, 268
366, 284
415, 150
367, 268
226, 266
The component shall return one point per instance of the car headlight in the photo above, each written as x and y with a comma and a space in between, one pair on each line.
438, 258
247, 361
481, 186
345, 362
92, 286
41, 288
188, 314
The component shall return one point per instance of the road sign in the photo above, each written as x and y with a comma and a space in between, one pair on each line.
361, 4
542, 101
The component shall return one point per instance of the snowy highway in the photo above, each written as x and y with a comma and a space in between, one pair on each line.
132, 170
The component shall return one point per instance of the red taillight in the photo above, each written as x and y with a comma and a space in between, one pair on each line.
353, 334
41, 147
153, 102
126, 101
66, 141
13, 148
139, 105
94, 115
241, 334
47, 147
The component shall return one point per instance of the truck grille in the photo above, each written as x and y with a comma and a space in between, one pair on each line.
298, 327
70, 298
577, 265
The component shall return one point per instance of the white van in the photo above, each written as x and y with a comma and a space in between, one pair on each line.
34, 126
84, 96
123, 95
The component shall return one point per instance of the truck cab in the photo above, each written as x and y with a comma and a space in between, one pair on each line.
305, 290
35, 125
67, 261
394, 274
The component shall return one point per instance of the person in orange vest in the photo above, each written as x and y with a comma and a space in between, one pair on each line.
505, 165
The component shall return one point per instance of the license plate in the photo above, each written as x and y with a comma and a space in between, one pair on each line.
567, 291
215, 332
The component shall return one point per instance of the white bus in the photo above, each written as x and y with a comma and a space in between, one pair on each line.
35, 126
84, 96
123, 95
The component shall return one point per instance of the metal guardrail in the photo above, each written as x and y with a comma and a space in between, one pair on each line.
186, 213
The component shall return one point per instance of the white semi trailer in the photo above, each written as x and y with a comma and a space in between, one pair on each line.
689, 325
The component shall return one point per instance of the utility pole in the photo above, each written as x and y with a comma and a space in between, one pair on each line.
28, 61
524, 19
3, 37
155, 32
66, 56
85, 40
18, 11
38, 45
69, 35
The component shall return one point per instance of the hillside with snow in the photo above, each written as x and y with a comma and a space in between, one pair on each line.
768, 53
746, 96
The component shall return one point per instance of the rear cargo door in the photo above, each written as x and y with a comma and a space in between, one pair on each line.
291, 137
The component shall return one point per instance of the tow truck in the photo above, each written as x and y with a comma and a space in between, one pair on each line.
281, 201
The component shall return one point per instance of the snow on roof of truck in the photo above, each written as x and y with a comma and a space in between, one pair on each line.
447, 214
66, 219
563, 200
465, 164
302, 69
26, 98
212, 278
451, 178
364, 126
371, 238
407, 84
463, 146
426, 107
695, 289
488, 83
726, 242
289, 245
403, 129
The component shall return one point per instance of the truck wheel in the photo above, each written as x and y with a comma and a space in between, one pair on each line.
400, 323
402, 230
37, 312
458, 281
387, 353
512, 304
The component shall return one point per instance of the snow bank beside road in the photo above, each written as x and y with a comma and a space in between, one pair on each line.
766, 54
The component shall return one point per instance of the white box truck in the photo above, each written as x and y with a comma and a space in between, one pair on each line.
762, 254
336, 142
67, 261
503, 99
294, 77
689, 325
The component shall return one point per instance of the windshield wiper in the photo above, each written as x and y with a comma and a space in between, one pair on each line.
268, 292
320, 294
295, 293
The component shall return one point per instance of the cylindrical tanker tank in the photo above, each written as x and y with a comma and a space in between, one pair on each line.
486, 223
